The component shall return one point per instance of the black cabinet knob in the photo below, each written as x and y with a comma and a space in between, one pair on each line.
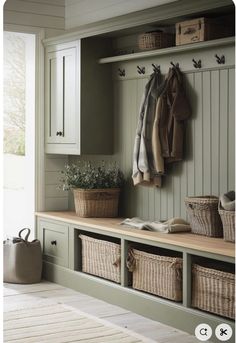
54, 242
59, 133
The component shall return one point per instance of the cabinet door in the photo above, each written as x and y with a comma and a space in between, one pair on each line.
54, 241
62, 100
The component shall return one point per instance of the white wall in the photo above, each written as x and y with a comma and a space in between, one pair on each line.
81, 12
47, 14
50, 16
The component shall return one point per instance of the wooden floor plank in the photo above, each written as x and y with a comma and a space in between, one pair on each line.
26, 296
14, 289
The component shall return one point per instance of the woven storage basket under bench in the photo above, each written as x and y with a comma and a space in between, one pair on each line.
101, 258
213, 291
159, 275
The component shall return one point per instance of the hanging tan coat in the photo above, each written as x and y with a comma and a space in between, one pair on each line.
173, 110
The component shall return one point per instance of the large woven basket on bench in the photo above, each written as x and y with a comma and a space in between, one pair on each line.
159, 275
203, 215
213, 291
96, 202
101, 258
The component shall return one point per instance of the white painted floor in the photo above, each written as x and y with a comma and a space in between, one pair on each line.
21, 296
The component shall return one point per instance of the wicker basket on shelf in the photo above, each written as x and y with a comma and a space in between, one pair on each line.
228, 220
101, 258
159, 275
155, 40
213, 291
203, 215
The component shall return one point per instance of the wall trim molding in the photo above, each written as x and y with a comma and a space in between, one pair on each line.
168, 11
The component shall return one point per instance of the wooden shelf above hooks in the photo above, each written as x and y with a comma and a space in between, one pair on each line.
167, 51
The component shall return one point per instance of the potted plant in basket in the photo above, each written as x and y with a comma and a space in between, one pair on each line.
96, 189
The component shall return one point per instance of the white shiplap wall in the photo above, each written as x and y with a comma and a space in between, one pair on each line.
81, 12
47, 14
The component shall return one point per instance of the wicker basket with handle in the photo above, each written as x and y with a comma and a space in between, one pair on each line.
203, 215
213, 291
96, 202
159, 275
101, 258
228, 220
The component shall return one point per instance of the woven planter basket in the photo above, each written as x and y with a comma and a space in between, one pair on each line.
213, 291
155, 40
159, 275
228, 220
203, 215
101, 258
96, 202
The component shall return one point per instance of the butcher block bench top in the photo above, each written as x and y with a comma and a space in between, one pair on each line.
112, 225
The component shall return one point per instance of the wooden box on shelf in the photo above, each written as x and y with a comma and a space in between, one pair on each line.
200, 30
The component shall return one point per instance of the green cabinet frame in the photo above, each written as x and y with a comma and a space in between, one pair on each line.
178, 315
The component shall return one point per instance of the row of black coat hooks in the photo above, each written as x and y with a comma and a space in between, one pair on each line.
157, 68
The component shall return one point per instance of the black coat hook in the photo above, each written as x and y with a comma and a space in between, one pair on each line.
156, 68
174, 65
220, 60
141, 70
197, 64
121, 72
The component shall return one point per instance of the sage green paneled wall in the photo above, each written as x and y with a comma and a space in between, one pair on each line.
209, 162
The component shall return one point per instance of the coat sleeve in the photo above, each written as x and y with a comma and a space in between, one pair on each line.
180, 108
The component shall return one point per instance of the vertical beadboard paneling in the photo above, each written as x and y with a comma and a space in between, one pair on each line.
208, 167
177, 171
131, 134
190, 135
215, 130
231, 130
169, 188
183, 190
223, 139
206, 117
198, 135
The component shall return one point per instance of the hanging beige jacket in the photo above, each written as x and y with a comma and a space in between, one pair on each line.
146, 170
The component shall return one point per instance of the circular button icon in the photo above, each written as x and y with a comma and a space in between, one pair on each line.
203, 332
223, 332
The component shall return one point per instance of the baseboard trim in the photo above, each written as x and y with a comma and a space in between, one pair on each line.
164, 311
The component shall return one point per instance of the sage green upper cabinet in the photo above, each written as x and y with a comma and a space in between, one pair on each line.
78, 99
62, 103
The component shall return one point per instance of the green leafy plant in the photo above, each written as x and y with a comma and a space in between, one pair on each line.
87, 176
